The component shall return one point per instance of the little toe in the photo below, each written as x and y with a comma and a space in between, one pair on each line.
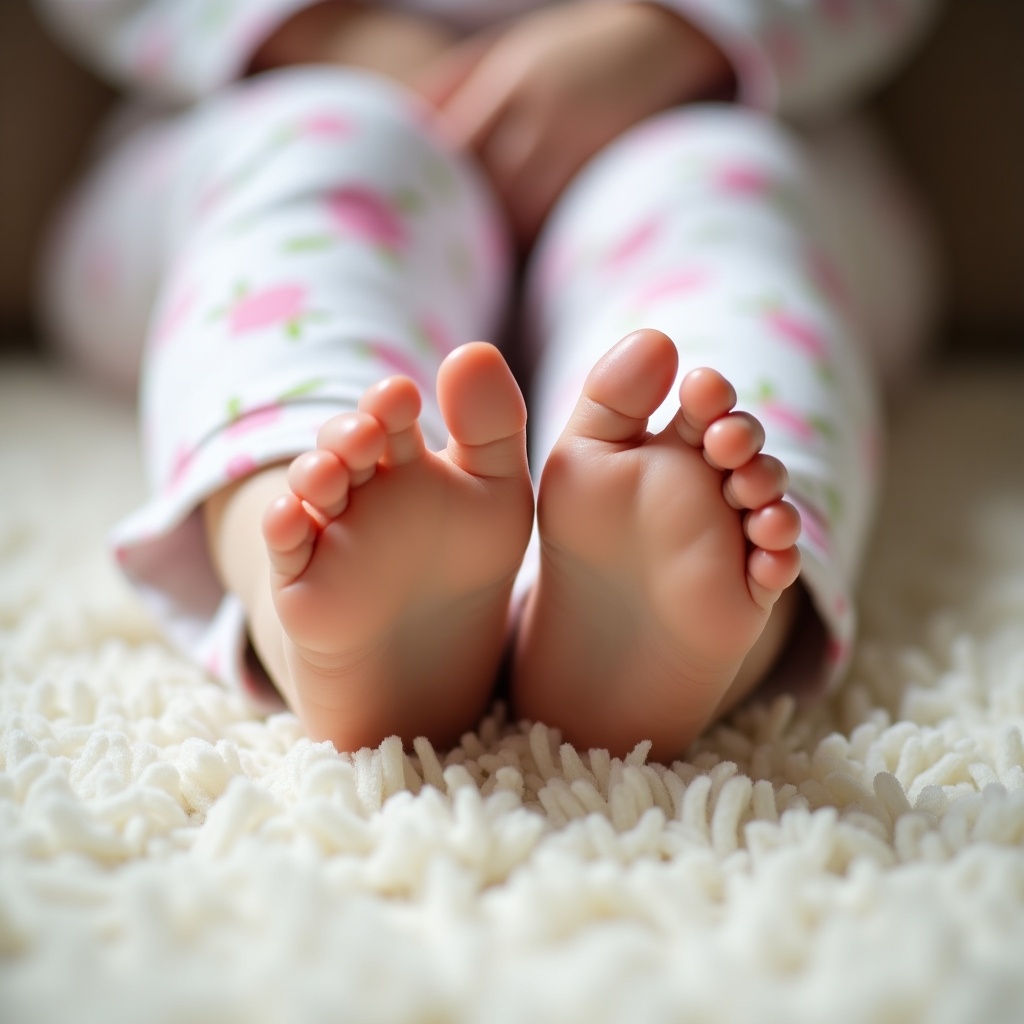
769, 573
774, 527
625, 387
704, 396
484, 411
320, 479
289, 533
358, 440
756, 483
396, 403
733, 440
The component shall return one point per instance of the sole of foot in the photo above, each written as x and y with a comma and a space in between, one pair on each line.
662, 557
391, 566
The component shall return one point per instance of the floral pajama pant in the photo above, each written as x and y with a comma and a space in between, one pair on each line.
270, 253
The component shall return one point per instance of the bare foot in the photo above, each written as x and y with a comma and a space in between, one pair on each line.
391, 567
662, 557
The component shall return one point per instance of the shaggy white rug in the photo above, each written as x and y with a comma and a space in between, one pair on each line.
166, 855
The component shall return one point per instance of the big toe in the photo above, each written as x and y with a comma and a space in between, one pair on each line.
625, 387
484, 411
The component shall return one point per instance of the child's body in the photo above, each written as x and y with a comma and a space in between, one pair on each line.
320, 232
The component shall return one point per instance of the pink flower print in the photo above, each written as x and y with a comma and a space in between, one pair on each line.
433, 336
795, 332
364, 214
743, 180
325, 126
280, 305
251, 419
825, 276
397, 361
804, 427
637, 242
172, 318
789, 420
183, 459
813, 528
239, 466
678, 282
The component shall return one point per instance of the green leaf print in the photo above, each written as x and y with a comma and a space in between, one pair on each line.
308, 243
305, 388
408, 200
215, 14
441, 178
834, 503
826, 373
825, 428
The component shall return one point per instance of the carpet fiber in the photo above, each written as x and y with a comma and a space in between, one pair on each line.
166, 855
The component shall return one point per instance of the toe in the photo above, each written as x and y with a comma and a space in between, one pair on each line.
704, 396
770, 572
733, 440
625, 387
320, 479
396, 403
757, 483
358, 440
289, 533
774, 527
484, 411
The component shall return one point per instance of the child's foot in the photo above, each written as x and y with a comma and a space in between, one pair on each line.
392, 566
662, 557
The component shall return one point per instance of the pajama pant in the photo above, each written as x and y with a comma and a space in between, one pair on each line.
301, 235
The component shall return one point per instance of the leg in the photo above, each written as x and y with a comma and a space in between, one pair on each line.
714, 226
332, 245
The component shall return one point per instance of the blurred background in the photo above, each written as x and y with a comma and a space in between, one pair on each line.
955, 116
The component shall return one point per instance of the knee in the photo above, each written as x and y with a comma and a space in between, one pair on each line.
687, 148
326, 107
713, 130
